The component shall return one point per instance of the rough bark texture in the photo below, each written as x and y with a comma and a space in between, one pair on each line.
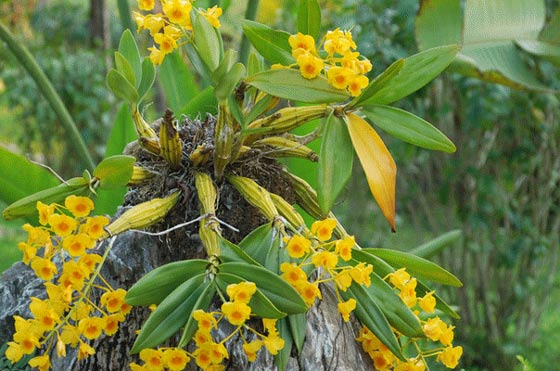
329, 345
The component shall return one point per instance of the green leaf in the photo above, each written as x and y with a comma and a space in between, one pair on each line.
490, 32
371, 316
283, 356
255, 64
418, 70
259, 303
20, 177
289, 84
177, 82
257, 243
230, 56
120, 86
272, 44
382, 268
201, 104
259, 108
546, 50
124, 68
416, 266
235, 111
171, 314
202, 303
207, 42
227, 84
107, 201
230, 252
114, 171
278, 291
438, 23
27, 206
309, 18
408, 127
434, 247
335, 162
122, 132
148, 78
129, 49
156, 285
194, 57
298, 328
397, 313
379, 82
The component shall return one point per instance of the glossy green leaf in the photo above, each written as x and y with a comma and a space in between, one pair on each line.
259, 303
418, 70
157, 284
257, 243
129, 49
201, 104
203, 302
20, 177
335, 162
148, 78
278, 291
230, 252
271, 44
120, 86
298, 329
435, 246
382, 268
194, 57
283, 356
309, 18
371, 316
379, 82
230, 56
114, 171
416, 266
207, 42
289, 84
27, 206
177, 82
235, 111
228, 83
122, 133
171, 314
124, 68
255, 64
408, 127
398, 314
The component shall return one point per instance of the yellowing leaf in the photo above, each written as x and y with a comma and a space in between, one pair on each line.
377, 162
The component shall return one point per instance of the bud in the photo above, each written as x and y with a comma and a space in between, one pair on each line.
255, 195
142, 215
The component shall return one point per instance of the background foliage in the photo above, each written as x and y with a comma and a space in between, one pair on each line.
500, 188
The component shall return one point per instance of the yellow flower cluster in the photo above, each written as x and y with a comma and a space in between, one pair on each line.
339, 62
68, 316
320, 252
210, 354
169, 27
434, 328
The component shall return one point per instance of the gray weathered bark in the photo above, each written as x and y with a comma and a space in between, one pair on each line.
329, 345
